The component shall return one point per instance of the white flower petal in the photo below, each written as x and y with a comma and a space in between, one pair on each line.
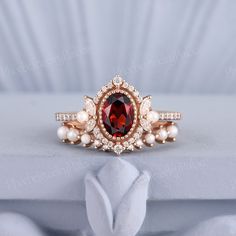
116, 178
98, 206
132, 210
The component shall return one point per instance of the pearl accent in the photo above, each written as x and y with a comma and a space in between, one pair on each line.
150, 138
85, 139
161, 134
72, 135
62, 132
82, 116
152, 116
139, 143
172, 131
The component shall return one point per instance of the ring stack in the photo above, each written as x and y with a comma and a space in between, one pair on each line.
118, 119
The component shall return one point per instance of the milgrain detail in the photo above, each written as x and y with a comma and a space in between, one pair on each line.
66, 116
169, 116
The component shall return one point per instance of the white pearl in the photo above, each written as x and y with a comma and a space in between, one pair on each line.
150, 138
139, 143
85, 139
82, 116
152, 116
62, 132
162, 134
172, 131
72, 135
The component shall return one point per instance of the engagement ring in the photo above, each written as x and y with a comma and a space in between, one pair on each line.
118, 119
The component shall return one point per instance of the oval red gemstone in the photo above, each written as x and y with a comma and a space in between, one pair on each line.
118, 114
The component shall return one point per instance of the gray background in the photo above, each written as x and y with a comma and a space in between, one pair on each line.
165, 46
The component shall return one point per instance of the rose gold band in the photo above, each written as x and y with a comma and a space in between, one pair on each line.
72, 116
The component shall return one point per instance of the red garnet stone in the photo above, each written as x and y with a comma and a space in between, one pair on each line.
118, 114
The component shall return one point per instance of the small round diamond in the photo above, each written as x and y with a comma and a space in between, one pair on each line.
118, 149
139, 143
130, 147
131, 88
99, 93
104, 88
140, 130
125, 85
105, 147
136, 136
117, 81
110, 144
126, 144
99, 136
136, 93
109, 85
97, 143
131, 140
105, 141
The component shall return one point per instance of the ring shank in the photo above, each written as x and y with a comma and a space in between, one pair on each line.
169, 115
66, 116
163, 116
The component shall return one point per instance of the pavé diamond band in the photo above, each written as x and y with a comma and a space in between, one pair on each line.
118, 119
